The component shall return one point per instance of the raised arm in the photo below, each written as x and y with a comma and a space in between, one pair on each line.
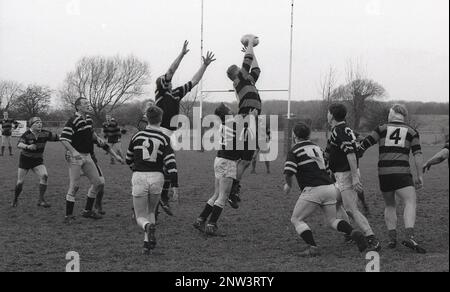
173, 68
206, 62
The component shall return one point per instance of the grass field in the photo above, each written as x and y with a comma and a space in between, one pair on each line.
259, 234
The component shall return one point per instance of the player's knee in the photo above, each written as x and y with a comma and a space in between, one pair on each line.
70, 198
301, 227
44, 179
220, 203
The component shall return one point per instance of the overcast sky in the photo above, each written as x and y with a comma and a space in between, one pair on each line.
403, 44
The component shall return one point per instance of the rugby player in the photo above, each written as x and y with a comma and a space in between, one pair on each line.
32, 143
344, 164
149, 152
437, 158
396, 141
225, 170
305, 161
7, 126
113, 136
78, 137
168, 99
244, 83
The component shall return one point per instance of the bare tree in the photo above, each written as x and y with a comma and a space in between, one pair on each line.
357, 90
34, 101
327, 87
106, 82
9, 92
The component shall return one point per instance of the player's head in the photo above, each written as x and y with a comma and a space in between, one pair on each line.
35, 124
82, 105
146, 104
5, 115
233, 72
108, 118
222, 111
162, 84
337, 112
301, 131
154, 115
398, 112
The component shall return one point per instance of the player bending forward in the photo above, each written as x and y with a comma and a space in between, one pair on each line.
396, 141
148, 153
225, 168
32, 143
305, 161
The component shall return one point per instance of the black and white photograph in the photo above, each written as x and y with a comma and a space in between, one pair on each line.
223, 143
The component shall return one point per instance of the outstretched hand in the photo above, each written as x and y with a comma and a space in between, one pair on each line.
208, 59
185, 49
244, 49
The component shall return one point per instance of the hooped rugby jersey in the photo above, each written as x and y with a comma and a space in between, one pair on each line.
305, 160
169, 100
39, 139
342, 142
7, 126
228, 143
78, 131
396, 141
111, 131
245, 86
150, 151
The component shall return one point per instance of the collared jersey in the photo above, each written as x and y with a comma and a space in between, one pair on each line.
39, 139
79, 133
342, 142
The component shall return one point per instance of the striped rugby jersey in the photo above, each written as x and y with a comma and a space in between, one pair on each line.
305, 161
396, 140
169, 100
342, 142
245, 86
150, 151
228, 143
8, 125
79, 133
39, 139
111, 131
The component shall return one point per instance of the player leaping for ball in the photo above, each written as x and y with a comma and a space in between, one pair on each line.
244, 83
168, 99
306, 162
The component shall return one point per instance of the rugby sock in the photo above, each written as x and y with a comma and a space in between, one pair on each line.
146, 236
98, 199
410, 233
206, 211
165, 192
89, 204
392, 235
10, 150
69, 208
18, 191
42, 190
235, 186
3, 150
344, 227
215, 214
307, 236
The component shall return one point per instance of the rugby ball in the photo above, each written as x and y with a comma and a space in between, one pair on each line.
247, 38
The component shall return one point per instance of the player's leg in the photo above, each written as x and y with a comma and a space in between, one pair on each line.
164, 204
267, 166
254, 161
74, 185
362, 199
21, 174
303, 209
117, 147
390, 217
207, 210
3, 146
140, 193
90, 170
225, 184
409, 198
41, 172
101, 191
150, 229
8, 141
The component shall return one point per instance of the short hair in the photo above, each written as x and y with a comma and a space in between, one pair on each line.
400, 109
78, 102
221, 111
338, 111
302, 131
33, 120
231, 72
154, 115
